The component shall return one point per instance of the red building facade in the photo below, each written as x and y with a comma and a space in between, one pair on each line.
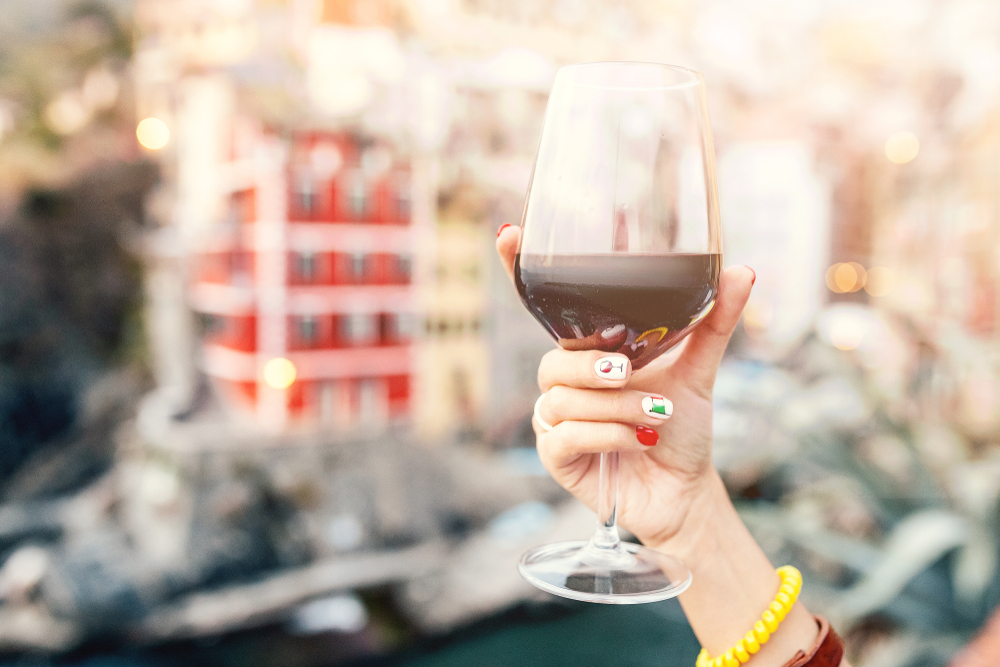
314, 268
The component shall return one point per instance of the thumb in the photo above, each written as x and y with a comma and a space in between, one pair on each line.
507, 241
703, 353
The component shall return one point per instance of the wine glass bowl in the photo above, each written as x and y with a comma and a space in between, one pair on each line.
620, 251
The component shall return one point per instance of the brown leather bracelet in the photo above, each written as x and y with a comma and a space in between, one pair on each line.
828, 650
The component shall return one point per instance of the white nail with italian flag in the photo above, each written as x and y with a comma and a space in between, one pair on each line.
657, 407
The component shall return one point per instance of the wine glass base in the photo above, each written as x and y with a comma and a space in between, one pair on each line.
626, 574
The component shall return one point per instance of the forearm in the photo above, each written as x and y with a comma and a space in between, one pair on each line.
734, 582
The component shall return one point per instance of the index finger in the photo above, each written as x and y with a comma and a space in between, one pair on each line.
508, 237
586, 369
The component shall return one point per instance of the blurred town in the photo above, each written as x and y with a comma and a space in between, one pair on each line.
261, 371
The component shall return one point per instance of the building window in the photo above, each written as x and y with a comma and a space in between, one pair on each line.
404, 267
306, 194
243, 205
306, 265
358, 263
358, 197
212, 325
308, 329
399, 327
358, 328
406, 326
403, 203
240, 267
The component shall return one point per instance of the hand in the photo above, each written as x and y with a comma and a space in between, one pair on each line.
657, 484
669, 494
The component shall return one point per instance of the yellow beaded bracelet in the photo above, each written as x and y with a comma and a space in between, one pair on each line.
788, 593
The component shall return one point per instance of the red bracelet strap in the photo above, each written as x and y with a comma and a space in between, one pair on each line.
828, 650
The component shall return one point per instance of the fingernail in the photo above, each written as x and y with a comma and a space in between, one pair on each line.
752, 280
657, 407
502, 227
611, 368
646, 435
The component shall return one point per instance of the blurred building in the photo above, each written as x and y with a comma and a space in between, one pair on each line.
454, 358
305, 229
305, 293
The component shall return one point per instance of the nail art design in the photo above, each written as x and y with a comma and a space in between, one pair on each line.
502, 227
611, 368
646, 435
657, 407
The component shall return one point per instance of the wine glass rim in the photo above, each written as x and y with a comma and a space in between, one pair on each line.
696, 77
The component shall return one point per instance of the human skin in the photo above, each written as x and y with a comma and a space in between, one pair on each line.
670, 496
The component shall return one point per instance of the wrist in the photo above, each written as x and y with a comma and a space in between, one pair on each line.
733, 580
708, 513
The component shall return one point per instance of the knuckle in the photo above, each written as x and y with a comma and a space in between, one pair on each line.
553, 444
621, 404
556, 400
622, 434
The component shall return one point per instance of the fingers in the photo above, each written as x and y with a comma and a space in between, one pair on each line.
590, 369
563, 404
508, 238
703, 353
570, 440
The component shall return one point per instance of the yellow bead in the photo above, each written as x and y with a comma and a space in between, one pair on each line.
702, 660
793, 579
785, 599
718, 661
770, 622
761, 632
729, 659
778, 610
750, 643
788, 590
741, 653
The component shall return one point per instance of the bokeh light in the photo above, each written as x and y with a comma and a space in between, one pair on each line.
902, 147
152, 133
880, 281
846, 277
846, 333
67, 114
279, 373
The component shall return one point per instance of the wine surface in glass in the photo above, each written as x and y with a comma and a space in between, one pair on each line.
637, 304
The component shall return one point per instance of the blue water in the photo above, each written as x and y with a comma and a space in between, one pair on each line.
556, 634
565, 635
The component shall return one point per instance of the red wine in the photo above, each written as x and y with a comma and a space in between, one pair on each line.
638, 305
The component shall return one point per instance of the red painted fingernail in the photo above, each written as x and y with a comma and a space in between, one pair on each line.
752, 280
646, 435
502, 227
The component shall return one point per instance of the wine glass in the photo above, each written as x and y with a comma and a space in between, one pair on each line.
620, 251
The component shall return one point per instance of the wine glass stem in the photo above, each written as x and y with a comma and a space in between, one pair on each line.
606, 535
